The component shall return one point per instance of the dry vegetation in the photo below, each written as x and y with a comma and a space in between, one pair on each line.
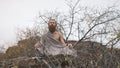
96, 32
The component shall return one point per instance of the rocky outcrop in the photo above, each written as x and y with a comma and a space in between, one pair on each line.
90, 55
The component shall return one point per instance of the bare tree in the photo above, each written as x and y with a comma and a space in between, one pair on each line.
86, 24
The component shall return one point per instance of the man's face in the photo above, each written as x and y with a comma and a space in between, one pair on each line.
52, 25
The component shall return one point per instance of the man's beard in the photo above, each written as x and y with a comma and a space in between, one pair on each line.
52, 29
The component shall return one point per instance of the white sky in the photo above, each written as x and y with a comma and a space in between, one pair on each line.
21, 13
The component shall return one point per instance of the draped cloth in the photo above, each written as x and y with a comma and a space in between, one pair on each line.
50, 46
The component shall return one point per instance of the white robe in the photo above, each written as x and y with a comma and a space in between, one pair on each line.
50, 46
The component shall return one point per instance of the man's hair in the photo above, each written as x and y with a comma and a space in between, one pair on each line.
53, 20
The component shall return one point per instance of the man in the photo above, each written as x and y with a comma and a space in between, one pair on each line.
52, 28
53, 43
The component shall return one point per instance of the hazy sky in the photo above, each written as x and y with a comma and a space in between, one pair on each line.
21, 13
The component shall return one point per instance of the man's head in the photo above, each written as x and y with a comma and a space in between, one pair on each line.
52, 25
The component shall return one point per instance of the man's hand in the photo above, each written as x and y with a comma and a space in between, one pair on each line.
69, 45
37, 45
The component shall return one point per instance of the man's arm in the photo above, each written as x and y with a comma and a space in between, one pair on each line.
61, 39
63, 42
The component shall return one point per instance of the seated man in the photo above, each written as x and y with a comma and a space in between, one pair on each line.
52, 43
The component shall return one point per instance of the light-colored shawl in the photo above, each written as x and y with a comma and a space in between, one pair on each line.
50, 46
